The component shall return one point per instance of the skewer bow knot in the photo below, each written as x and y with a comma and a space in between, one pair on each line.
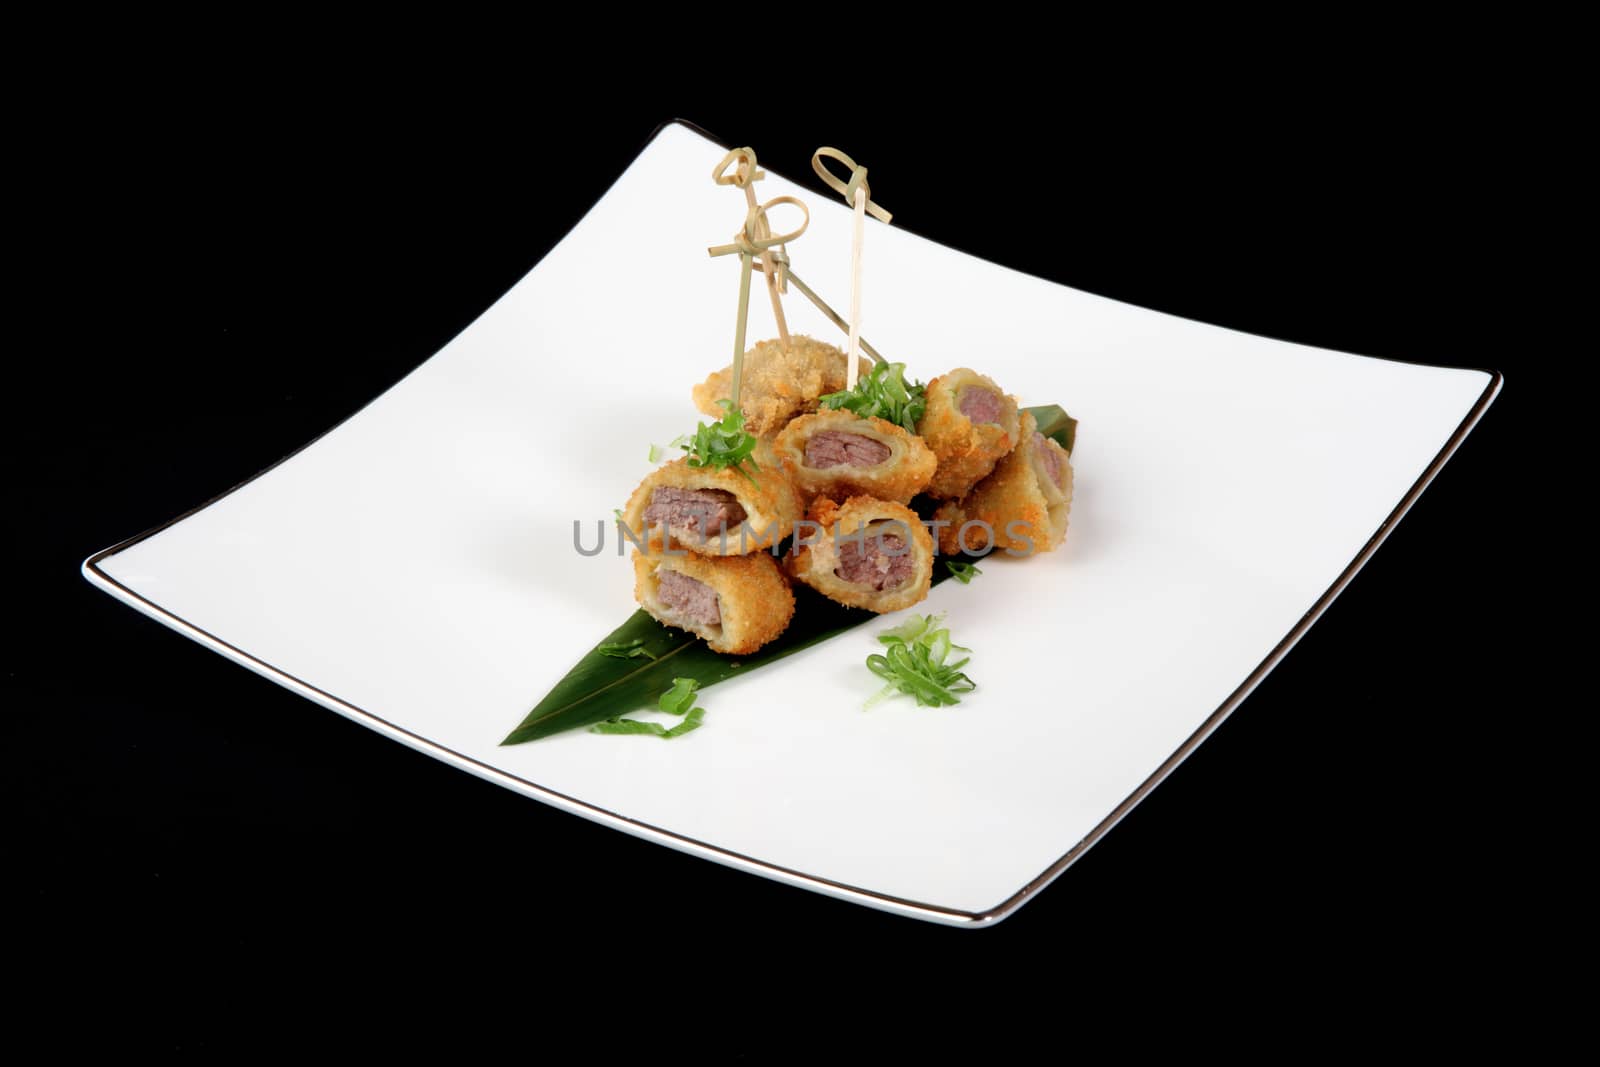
756, 236
858, 180
743, 160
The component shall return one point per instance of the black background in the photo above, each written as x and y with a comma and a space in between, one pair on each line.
252, 273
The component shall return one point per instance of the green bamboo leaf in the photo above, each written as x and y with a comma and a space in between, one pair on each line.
602, 686
1056, 423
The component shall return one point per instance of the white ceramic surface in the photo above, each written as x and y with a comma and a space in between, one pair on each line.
414, 568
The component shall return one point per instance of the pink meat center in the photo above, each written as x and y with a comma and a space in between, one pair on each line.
695, 600
979, 404
835, 448
1049, 458
881, 562
703, 511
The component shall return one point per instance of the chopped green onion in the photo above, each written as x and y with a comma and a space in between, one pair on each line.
690, 723
962, 572
637, 726
628, 726
915, 663
883, 393
909, 630
626, 649
655, 454
675, 701
722, 444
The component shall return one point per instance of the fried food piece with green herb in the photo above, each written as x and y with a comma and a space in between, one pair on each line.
715, 511
883, 394
777, 384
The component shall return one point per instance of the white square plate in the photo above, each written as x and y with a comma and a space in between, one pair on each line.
414, 569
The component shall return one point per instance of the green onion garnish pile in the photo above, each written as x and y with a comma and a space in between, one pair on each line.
915, 663
722, 444
883, 393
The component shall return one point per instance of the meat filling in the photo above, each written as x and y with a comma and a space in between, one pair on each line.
692, 599
835, 448
979, 404
882, 562
1049, 458
708, 512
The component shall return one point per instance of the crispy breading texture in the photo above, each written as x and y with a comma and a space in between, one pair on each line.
966, 451
814, 563
772, 505
1021, 507
778, 385
752, 594
898, 478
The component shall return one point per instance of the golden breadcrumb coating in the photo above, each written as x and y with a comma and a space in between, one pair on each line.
752, 594
815, 563
778, 385
901, 476
966, 451
1022, 507
771, 506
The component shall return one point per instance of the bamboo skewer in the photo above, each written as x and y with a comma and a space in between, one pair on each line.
855, 288
832, 315
739, 327
858, 194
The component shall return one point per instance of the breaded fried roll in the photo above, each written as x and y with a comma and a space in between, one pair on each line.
969, 423
872, 554
1022, 507
778, 385
838, 454
737, 603
715, 512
